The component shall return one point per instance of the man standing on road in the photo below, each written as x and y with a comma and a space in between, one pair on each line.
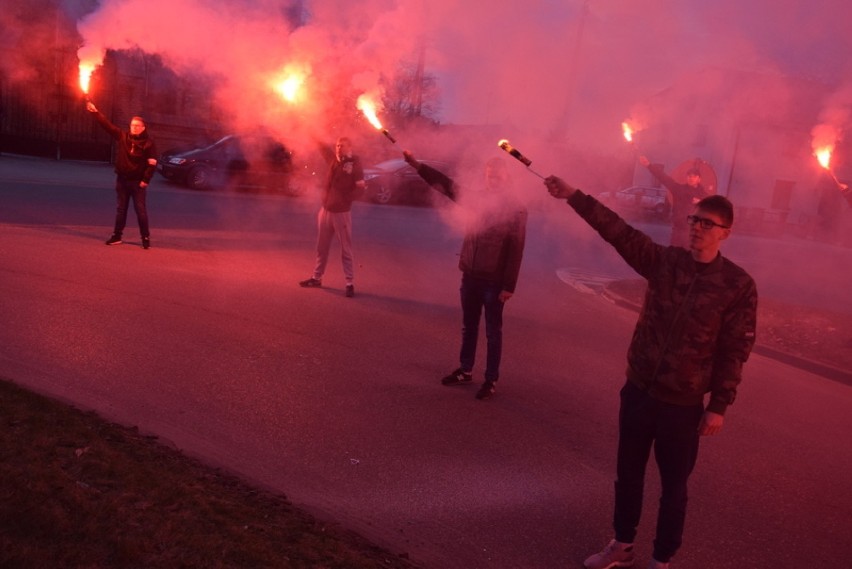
695, 331
490, 262
135, 162
683, 198
345, 179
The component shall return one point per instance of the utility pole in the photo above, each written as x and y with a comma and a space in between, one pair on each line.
417, 90
562, 128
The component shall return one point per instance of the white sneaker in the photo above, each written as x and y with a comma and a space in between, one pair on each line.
615, 554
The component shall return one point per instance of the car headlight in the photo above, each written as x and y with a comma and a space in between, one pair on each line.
177, 161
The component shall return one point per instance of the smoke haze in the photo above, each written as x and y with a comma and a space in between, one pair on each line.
573, 69
578, 66
543, 73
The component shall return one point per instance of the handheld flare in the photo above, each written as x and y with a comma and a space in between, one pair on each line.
823, 156
85, 70
504, 144
366, 105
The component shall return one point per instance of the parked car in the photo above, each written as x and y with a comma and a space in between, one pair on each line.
395, 181
241, 161
642, 202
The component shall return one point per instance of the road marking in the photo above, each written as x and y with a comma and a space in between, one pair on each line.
587, 281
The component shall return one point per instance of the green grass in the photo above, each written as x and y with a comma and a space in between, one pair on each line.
77, 491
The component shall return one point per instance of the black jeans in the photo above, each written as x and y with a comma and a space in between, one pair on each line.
673, 431
477, 294
124, 190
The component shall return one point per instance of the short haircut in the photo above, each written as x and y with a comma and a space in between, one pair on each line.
138, 118
693, 172
720, 205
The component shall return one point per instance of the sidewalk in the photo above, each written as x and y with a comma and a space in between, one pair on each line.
14, 167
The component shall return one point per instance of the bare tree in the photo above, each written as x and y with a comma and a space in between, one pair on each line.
412, 93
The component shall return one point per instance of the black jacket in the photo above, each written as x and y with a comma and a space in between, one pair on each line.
133, 152
493, 243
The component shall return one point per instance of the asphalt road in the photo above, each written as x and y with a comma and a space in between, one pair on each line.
207, 341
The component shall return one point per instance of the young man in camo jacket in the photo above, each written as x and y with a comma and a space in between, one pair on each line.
694, 333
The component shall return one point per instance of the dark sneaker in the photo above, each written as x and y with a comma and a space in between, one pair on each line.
486, 391
311, 283
350, 291
615, 554
458, 377
114, 240
146, 243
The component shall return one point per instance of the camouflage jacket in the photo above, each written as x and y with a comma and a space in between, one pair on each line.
697, 325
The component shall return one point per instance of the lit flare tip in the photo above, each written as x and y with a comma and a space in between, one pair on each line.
628, 132
289, 87
504, 144
86, 70
368, 108
823, 156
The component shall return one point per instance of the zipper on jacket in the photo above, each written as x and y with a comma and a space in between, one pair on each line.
687, 299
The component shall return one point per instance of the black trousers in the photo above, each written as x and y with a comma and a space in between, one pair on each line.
125, 189
672, 430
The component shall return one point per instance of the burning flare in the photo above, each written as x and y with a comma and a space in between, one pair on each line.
289, 88
823, 139
289, 82
86, 70
504, 144
366, 105
90, 58
823, 155
628, 131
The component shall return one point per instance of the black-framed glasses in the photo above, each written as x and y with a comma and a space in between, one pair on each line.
704, 222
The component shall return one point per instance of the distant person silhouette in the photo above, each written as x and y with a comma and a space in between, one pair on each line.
683, 199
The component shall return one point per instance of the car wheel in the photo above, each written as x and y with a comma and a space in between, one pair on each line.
383, 194
198, 178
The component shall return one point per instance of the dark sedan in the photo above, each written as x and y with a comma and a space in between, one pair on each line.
395, 181
238, 161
